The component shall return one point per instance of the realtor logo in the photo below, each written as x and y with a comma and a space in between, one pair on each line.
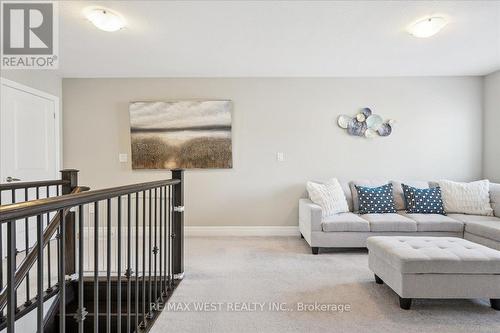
29, 34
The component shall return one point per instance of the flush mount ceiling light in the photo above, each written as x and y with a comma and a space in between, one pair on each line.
104, 18
427, 27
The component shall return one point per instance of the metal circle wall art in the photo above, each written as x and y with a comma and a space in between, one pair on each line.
365, 123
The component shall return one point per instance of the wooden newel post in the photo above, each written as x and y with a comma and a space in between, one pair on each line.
70, 175
178, 225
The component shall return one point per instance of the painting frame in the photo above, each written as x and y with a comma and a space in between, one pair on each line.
181, 134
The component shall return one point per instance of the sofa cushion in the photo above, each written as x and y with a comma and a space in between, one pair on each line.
435, 222
473, 218
390, 222
376, 199
495, 198
487, 229
345, 222
440, 255
482, 240
399, 199
347, 192
365, 183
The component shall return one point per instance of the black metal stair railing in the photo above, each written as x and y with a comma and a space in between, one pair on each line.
16, 192
127, 295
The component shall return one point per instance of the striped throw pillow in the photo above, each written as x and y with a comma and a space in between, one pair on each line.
329, 196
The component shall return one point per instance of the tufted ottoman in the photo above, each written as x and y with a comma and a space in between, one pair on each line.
435, 267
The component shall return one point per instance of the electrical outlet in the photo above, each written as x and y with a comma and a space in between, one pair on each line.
123, 158
280, 156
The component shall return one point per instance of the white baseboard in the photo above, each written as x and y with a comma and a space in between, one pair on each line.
214, 231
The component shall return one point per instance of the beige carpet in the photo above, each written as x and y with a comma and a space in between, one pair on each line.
282, 270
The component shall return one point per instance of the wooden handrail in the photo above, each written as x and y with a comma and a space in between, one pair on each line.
40, 183
32, 255
10, 213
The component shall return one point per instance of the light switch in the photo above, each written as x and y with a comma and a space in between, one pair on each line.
280, 156
123, 158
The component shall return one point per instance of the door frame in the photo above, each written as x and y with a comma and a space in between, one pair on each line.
57, 115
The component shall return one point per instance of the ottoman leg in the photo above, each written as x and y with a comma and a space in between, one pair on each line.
315, 250
405, 303
495, 303
378, 280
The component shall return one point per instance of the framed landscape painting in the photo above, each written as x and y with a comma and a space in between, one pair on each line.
181, 134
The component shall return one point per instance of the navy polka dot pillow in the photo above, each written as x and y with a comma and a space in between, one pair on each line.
423, 200
376, 199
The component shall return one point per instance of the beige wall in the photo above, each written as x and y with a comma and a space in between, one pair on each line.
437, 135
491, 164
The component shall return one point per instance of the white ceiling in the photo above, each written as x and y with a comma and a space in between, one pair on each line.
280, 38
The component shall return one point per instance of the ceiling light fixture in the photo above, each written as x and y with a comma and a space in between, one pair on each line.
427, 27
104, 18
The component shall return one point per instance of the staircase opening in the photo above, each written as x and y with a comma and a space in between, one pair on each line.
102, 260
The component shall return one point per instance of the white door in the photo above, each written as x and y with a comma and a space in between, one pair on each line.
29, 143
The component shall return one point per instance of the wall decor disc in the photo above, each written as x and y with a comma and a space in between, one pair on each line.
370, 133
356, 127
367, 112
360, 117
385, 130
374, 122
344, 120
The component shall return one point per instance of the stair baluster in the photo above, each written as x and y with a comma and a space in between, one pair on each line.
137, 321
81, 312
11, 269
49, 277
39, 275
155, 250
119, 268
62, 273
96, 266
129, 255
143, 324
150, 249
161, 244
26, 249
108, 267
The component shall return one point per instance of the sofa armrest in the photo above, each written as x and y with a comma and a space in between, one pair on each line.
495, 198
309, 217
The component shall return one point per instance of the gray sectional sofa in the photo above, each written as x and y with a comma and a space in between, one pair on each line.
352, 229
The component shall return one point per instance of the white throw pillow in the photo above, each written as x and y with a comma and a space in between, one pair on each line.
329, 196
466, 198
